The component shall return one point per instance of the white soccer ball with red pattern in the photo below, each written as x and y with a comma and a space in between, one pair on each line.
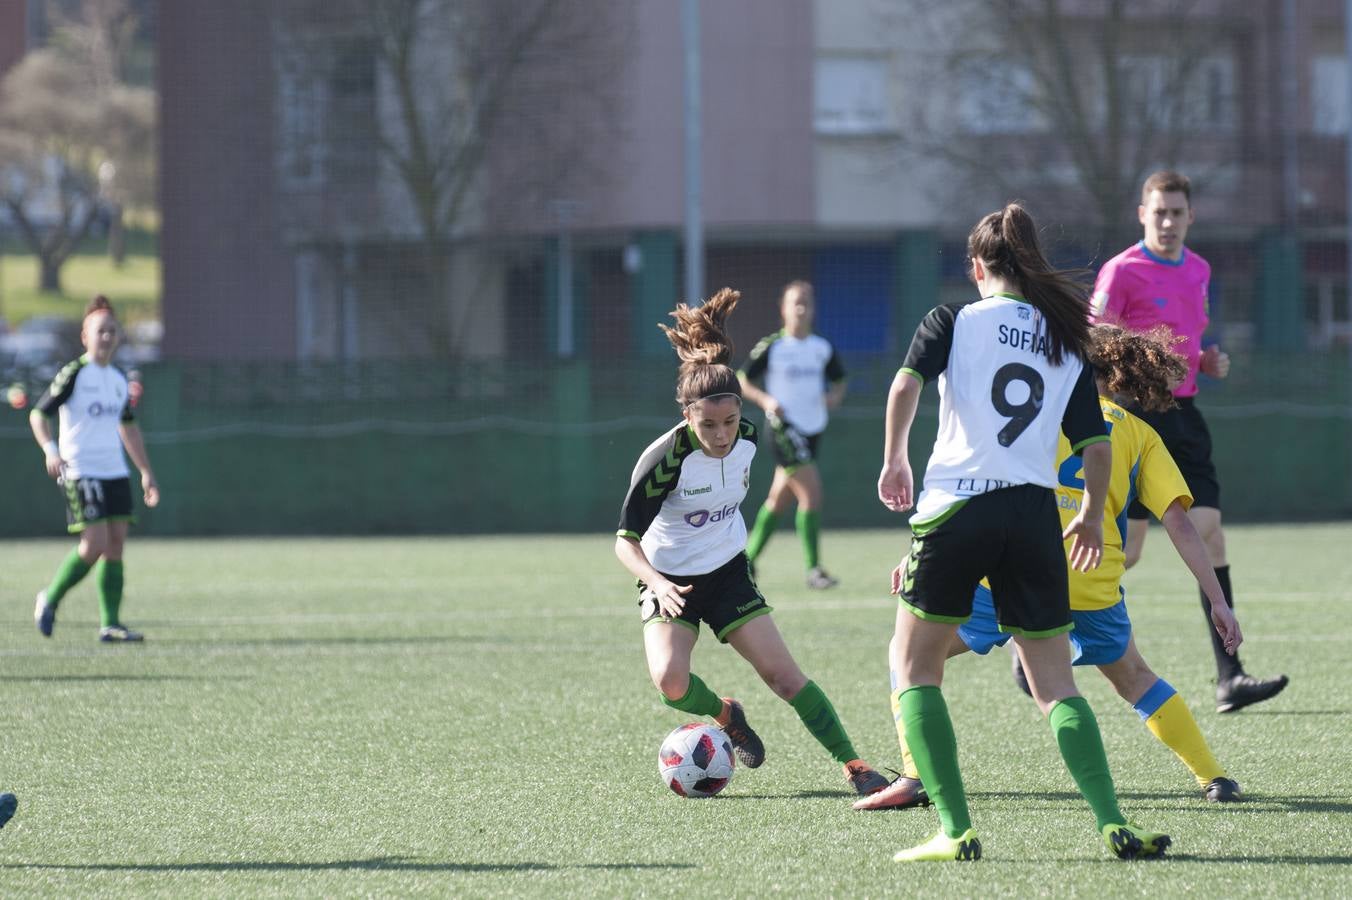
696, 760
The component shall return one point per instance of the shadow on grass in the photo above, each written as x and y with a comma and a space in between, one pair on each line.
340, 641
1297, 712
1343, 860
123, 678
374, 864
1252, 803
796, 795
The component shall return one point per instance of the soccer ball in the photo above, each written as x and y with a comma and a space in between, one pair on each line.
696, 760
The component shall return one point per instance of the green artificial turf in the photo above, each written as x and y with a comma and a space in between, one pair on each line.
473, 717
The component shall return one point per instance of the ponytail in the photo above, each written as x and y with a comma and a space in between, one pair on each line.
1007, 244
705, 350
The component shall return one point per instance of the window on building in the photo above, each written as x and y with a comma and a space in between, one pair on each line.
999, 97
352, 125
1329, 90
1210, 94
300, 109
852, 97
1196, 94
1147, 89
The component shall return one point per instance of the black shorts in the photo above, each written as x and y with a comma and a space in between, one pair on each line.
792, 449
1011, 536
1186, 437
724, 599
90, 500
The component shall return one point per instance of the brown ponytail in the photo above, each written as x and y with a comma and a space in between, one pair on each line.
1140, 367
1006, 242
704, 348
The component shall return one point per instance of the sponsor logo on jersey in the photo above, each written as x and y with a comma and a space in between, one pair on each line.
981, 485
690, 492
1065, 501
1025, 313
700, 518
103, 409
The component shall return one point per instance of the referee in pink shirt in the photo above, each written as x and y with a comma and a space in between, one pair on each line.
1159, 282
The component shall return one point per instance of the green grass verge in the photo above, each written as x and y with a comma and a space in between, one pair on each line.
134, 287
472, 717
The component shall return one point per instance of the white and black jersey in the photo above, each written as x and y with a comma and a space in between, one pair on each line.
93, 401
796, 373
1002, 404
684, 507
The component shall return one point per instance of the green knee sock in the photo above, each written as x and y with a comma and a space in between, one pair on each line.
110, 590
907, 760
1077, 735
68, 574
698, 699
820, 718
766, 522
808, 522
929, 732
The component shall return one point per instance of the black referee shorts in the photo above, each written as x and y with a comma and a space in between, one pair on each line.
1186, 437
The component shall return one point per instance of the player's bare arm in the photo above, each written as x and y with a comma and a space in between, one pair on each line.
895, 483
759, 397
1192, 551
136, 449
42, 432
1086, 550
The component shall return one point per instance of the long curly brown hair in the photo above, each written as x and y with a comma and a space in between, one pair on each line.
702, 343
1140, 367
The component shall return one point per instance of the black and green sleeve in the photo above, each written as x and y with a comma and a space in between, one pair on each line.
754, 367
655, 476
59, 391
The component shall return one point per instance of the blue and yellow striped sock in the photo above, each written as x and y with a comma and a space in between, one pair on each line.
1170, 720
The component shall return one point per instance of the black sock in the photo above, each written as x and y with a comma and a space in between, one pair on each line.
1227, 666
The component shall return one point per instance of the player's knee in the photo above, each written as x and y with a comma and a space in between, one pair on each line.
786, 683
91, 548
672, 683
1130, 678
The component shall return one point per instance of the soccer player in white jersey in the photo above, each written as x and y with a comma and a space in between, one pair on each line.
1012, 378
1140, 370
682, 536
96, 422
804, 380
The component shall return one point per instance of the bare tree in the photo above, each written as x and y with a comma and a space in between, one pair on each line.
487, 111
72, 133
1078, 100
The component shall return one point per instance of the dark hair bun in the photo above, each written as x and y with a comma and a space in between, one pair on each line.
100, 302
